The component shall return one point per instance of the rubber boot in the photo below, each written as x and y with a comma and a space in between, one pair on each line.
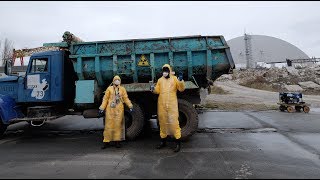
163, 143
118, 144
178, 145
105, 145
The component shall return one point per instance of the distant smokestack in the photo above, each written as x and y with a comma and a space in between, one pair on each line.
248, 48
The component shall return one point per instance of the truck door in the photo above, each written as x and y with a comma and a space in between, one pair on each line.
37, 85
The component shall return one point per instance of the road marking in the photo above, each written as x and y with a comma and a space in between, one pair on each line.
8, 140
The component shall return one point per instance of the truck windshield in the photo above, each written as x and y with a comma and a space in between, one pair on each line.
39, 65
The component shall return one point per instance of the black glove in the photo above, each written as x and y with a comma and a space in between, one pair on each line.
152, 88
101, 113
180, 76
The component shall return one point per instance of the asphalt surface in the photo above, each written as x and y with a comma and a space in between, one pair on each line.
237, 145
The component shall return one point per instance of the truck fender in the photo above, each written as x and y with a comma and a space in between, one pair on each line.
8, 109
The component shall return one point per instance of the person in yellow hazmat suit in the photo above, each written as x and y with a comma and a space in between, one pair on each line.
168, 113
112, 105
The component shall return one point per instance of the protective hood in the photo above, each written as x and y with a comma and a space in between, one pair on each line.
116, 78
168, 66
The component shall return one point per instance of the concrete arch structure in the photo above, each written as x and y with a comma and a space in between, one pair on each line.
264, 49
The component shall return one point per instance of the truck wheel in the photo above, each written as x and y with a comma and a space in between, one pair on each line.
3, 128
298, 108
282, 108
188, 119
290, 109
134, 121
306, 109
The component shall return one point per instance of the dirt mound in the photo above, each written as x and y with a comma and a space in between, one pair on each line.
278, 79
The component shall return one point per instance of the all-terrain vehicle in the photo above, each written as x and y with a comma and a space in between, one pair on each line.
292, 101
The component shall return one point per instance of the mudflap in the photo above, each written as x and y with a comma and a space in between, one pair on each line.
8, 109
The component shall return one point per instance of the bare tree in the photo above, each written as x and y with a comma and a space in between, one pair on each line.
7, 51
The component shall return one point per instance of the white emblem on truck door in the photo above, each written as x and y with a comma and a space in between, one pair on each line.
38, 89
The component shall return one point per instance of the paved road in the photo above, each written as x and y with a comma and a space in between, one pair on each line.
228, 145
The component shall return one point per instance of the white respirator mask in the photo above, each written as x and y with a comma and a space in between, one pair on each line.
117, 82
165, 74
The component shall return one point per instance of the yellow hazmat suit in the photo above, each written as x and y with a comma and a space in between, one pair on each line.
114, 129
168, 112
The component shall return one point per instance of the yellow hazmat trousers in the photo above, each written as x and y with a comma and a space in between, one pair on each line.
168, 112
114, 117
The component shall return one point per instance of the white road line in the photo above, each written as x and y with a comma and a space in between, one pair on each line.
8, 140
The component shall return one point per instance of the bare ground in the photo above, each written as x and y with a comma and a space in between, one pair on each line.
238, 97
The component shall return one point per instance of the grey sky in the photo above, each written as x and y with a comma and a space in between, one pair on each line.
30, 24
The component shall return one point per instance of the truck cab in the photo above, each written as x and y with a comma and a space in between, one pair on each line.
48, 84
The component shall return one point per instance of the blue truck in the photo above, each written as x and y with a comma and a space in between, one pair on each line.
72, 79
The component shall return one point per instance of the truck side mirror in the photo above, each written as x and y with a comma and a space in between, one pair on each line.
25, 82
7, 68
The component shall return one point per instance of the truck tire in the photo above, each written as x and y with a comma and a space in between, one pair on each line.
306, 109
282, 108
298, 108
134, 121
188, 119
3, 128
290, 109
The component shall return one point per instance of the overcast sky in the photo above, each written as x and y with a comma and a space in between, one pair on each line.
30, 24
